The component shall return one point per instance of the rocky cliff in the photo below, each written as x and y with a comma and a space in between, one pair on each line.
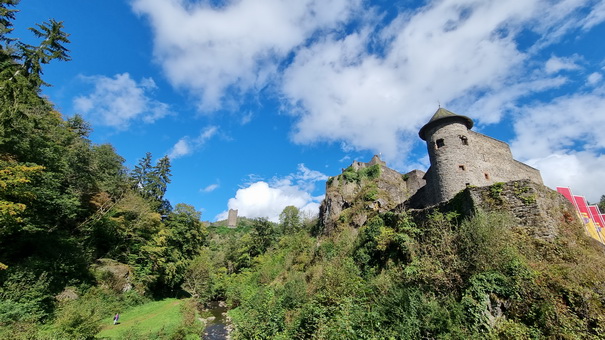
364, 189
539, 210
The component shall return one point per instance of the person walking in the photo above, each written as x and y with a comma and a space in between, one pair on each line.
116, 318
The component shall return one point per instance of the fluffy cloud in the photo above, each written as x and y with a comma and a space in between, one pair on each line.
556, 64
349, 77
594, 78
582, 171
188, 145
464, 54
567, 123
237, 46
268, 199
120, 100
210, 188
564, 140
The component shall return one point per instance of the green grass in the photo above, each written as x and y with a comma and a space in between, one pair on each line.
151, 320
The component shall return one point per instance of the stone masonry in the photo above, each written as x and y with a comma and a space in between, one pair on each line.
460, 157
232, 218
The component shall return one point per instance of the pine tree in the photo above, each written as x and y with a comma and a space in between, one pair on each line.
152, 181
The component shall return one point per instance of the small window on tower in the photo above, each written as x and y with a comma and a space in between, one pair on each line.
461, 167
464, 140
439, 143
486, 175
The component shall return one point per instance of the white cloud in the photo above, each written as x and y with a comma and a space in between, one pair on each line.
594, 78
569, 122
119, 101
268, 199
595, 17
564, 140
346, 158
247, 118
463, 54
237, 46
583, 172
556, 64
186, 145
349, 78
210, 188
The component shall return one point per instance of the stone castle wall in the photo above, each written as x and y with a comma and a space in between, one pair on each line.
530, 205
357, 197
461, 157
495, 163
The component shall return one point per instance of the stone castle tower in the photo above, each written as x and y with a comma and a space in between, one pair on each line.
232, 218
460, 157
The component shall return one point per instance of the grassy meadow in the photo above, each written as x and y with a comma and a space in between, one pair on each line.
157, 319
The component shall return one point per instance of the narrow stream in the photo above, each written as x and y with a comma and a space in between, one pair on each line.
216, 329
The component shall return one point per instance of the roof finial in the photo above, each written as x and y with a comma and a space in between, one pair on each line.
439, 103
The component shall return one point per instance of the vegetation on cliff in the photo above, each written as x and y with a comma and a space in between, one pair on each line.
444, 277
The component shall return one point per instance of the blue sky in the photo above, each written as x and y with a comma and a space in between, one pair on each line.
257, 102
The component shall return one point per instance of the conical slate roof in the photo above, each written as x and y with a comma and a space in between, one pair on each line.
442, 115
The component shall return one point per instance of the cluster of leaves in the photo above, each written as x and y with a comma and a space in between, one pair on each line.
352, 175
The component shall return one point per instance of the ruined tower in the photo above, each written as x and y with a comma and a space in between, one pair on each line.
460, 157
232, 218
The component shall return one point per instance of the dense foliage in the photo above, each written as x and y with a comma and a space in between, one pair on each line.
447, 277
71, 214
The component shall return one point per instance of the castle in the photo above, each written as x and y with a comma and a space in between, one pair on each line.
460, 157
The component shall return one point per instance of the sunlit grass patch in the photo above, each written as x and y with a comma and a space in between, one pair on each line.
150, 320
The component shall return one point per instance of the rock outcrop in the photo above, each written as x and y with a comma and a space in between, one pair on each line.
535, 207
113, 275
363, 188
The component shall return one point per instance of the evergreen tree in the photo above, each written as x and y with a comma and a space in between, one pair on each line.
140, 174
152, 181
7, 15
161, 178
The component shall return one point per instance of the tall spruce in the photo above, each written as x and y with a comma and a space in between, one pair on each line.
151, 181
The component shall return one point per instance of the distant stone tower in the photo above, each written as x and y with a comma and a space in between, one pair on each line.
232, 218
460, 157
